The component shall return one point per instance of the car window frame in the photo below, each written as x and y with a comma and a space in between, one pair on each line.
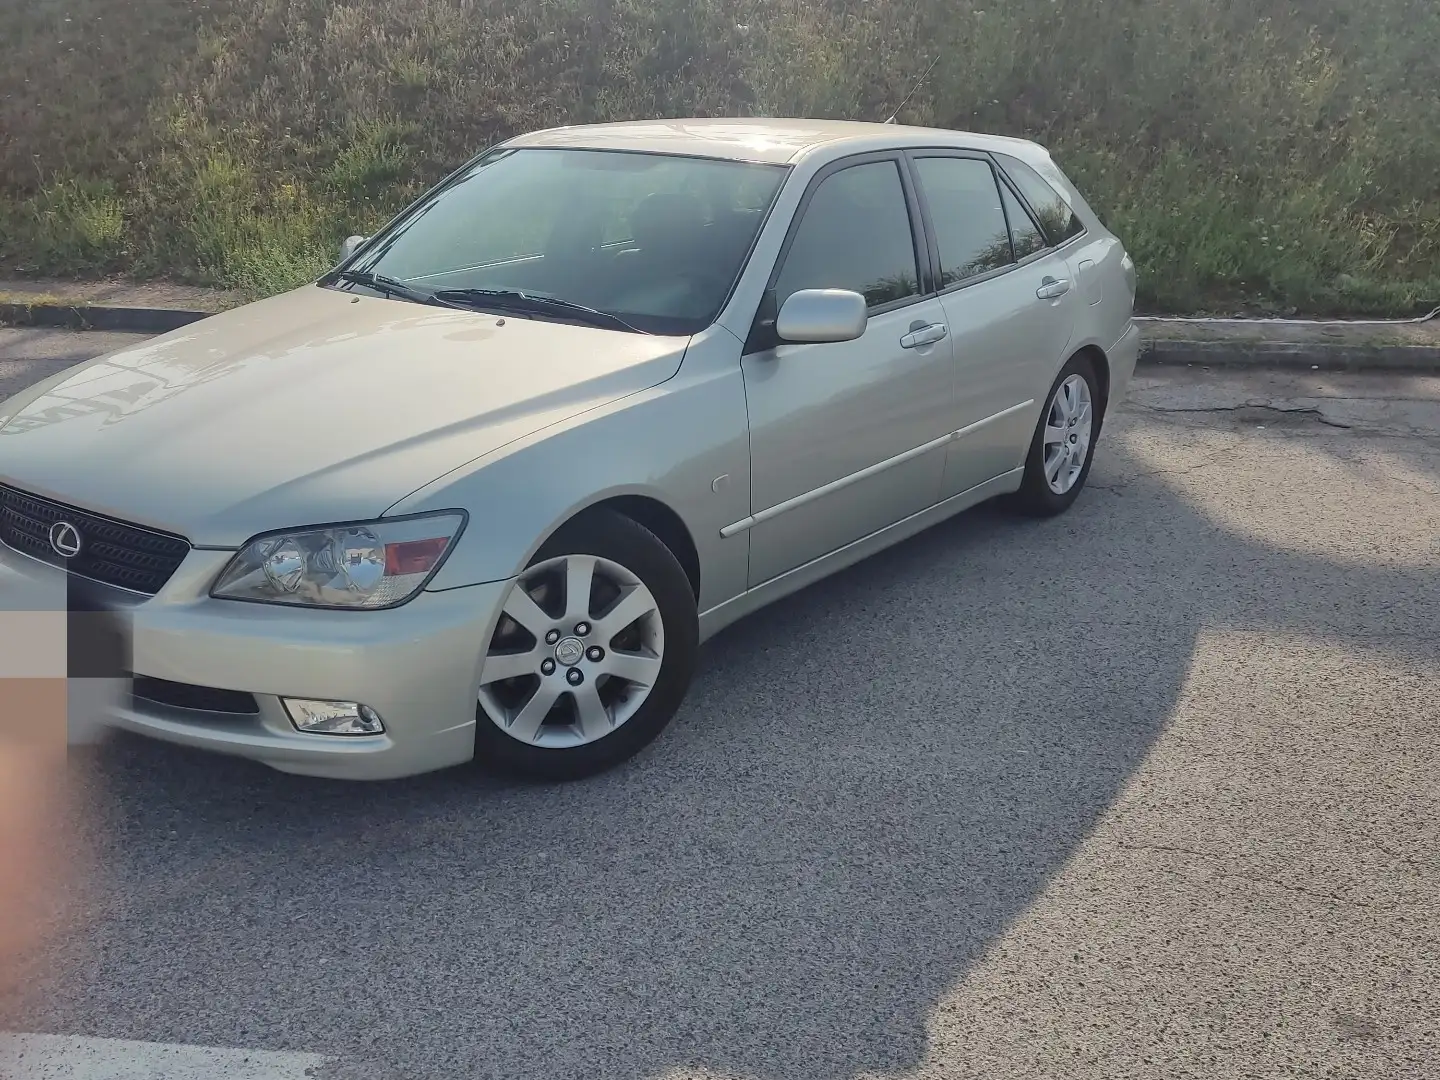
937, 271
762, 336
1025, 208
998, 171
1050, 244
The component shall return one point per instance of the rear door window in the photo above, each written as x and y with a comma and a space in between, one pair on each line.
1025, 234
1056, 217
967, 216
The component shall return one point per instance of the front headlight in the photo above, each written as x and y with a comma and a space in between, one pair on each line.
375, 564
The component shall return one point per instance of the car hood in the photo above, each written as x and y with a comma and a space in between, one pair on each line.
310, 407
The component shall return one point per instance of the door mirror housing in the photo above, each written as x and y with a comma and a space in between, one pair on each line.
821, 316
350, 246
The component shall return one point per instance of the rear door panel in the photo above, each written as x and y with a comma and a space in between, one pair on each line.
1008, 346
1008, 340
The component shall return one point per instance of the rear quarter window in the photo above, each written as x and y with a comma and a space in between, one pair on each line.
1055, 215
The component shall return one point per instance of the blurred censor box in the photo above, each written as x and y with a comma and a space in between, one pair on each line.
64, 658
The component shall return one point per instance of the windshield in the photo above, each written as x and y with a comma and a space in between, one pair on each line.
655, 240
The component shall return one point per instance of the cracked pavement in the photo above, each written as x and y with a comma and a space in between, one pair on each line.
1388, 404
1149, 790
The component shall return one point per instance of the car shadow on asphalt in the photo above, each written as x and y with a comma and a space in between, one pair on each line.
869, 783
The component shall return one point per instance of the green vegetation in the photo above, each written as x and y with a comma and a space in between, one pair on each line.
1275, 155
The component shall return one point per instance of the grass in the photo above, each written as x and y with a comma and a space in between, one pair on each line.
32, 299
1274, 156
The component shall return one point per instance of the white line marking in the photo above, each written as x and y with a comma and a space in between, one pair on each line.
67, 1057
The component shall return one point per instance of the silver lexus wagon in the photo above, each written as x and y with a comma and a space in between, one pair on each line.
483, 489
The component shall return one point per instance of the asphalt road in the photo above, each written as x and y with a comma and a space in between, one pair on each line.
1149, 790
27, 356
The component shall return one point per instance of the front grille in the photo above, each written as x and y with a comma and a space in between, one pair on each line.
111, 552
196, 698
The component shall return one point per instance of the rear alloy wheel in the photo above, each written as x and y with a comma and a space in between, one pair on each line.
1064, 443
591, 655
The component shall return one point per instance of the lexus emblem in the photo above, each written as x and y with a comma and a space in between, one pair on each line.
65, 539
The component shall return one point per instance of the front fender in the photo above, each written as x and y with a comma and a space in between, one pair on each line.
683, 443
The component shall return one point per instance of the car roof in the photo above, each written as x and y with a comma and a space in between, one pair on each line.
774, 140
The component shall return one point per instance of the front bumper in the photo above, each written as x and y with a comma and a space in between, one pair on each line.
417, 665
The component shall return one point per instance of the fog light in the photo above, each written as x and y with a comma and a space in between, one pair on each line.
333, 717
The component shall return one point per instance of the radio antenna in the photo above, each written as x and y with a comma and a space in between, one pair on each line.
918, 83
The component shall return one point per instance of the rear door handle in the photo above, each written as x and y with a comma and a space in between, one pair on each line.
1051, 289
924, 335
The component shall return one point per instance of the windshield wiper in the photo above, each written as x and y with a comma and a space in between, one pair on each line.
518, 300
390, 286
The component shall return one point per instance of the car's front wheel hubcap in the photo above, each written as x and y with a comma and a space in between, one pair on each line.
577, 650
1067, 434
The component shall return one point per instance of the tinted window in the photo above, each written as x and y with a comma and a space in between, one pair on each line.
855, 235
1023, 231
965, 210
1056, 217
657, 239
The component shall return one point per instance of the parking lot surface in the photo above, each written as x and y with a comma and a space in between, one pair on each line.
1148, 790
29, 355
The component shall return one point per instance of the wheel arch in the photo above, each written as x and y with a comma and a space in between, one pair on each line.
652, 514
1101, 362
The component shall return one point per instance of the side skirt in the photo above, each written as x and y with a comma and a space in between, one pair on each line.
722, 615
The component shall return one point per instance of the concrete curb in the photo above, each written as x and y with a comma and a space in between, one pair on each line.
1305, 357
139, 320
1327, 356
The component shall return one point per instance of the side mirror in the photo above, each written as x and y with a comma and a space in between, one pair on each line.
351, 244
819, 316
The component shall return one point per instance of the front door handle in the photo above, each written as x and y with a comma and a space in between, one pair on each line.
1051, 289
924, 335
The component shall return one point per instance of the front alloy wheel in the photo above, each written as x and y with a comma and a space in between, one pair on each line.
591, 654
569, 679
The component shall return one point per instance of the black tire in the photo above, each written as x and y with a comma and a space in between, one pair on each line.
1036, 498
619, 539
